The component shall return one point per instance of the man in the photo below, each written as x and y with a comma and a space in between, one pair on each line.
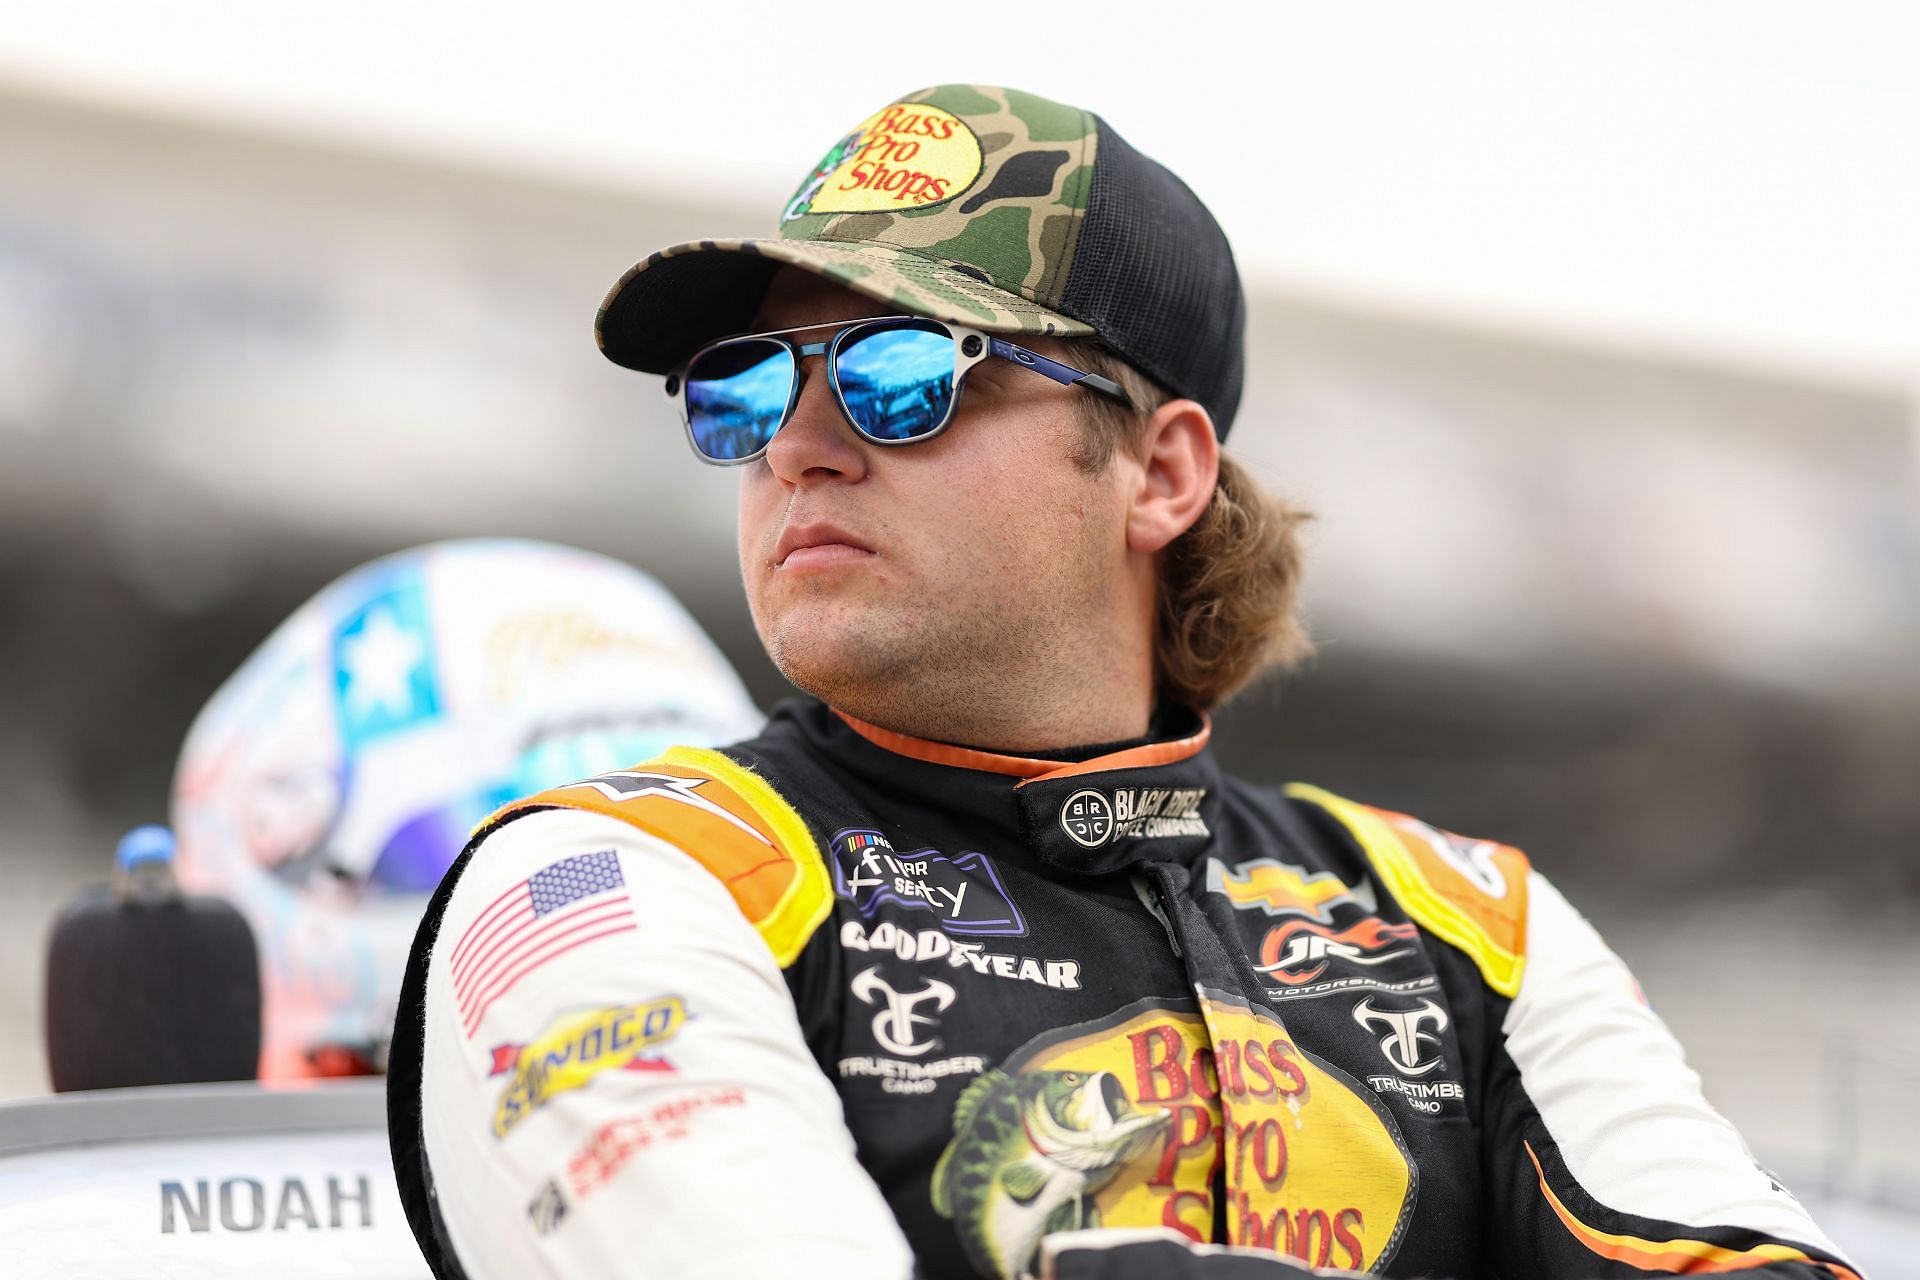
979, 951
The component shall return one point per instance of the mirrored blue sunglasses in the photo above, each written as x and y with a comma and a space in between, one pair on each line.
897, 380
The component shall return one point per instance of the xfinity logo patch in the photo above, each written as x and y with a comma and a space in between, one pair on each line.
1093, 818
963, 894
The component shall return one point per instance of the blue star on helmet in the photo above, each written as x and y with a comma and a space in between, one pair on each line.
383, 667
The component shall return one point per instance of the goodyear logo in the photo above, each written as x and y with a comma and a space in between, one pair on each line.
575, 1048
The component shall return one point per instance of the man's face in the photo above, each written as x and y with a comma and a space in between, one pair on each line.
904, 583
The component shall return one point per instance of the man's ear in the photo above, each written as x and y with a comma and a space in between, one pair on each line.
1179, 460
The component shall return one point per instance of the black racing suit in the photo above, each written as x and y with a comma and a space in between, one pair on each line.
1131, 992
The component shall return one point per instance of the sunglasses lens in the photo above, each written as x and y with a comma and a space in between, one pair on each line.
896, 379
736, 396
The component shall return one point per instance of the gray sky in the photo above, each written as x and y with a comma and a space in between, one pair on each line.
1733, 178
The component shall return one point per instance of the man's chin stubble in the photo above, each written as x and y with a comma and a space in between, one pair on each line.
835, 669
879, 679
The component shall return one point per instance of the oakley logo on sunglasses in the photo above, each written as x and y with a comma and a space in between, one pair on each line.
896, 379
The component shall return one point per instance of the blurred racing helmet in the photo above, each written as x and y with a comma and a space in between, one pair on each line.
333, 779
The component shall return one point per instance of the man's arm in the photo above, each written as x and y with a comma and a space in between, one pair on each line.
1600, 1146
614, 1081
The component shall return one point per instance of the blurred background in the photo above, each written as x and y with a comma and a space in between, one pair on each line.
1591, 332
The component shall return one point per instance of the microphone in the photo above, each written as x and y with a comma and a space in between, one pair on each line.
147, 985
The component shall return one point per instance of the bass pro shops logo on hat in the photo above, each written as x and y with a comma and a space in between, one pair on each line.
902, 158
981, 206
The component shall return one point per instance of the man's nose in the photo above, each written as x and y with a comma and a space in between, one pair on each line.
817, 443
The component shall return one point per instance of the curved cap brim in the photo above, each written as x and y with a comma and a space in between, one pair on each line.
685, 296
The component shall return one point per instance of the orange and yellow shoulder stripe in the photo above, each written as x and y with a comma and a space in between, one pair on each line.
1471, 893
725, 817
1679, 1256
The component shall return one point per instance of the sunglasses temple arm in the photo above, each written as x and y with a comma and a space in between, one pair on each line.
1065, 374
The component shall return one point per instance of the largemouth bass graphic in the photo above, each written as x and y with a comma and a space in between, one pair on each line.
1028, 1154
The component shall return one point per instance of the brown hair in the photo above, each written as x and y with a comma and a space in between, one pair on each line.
1230, 585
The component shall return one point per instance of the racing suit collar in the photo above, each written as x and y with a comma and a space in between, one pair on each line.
1149, 802
1192, 729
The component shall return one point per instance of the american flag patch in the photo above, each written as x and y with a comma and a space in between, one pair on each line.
566, 905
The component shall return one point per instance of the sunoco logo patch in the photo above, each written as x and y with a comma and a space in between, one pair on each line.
904, 157
575, 1048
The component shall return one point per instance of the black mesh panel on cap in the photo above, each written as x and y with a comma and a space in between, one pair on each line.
1154, 276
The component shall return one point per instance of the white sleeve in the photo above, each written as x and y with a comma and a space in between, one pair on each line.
614, 1080
1614, 1091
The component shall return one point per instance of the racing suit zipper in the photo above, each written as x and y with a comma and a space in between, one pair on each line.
1152, 893
1149, 893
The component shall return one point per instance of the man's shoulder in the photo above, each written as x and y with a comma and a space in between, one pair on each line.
1469, 892
723, 804
721, 812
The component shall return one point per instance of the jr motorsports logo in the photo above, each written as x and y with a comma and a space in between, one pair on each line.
1092, 818
963, 893
1297, 952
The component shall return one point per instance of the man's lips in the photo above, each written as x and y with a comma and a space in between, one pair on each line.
816, 546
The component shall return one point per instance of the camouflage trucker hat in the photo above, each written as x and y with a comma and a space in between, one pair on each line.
982, 206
